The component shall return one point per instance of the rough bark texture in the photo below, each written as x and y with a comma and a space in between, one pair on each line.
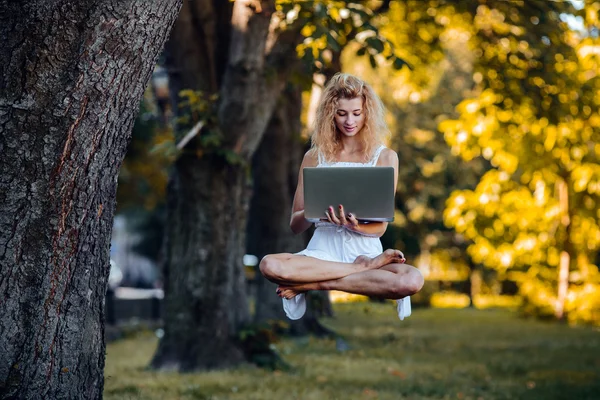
72, 74
275, 174
206, 299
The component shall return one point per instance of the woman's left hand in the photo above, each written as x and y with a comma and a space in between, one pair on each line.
346, 220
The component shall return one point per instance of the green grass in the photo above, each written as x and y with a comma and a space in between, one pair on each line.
434, 354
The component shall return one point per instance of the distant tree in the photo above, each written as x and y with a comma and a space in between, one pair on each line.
233, 58
72, 74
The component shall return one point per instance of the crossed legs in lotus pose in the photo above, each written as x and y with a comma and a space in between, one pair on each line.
383, 276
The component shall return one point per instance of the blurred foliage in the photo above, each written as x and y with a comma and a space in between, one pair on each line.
449, 300
143, 179
535, 118
198, 116
515, 92
143, 174
328, 26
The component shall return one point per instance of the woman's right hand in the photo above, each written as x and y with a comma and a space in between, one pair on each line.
347, 220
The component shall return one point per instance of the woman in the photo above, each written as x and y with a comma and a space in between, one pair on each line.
343, 253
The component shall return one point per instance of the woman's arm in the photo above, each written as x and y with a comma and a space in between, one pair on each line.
297, 222
370, 228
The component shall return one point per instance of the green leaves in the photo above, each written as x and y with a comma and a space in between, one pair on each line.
331, 25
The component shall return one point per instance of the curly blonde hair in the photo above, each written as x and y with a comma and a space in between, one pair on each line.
326, 138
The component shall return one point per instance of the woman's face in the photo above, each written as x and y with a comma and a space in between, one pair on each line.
350, 116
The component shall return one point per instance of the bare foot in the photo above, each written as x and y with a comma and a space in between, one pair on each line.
287, 292
387, 257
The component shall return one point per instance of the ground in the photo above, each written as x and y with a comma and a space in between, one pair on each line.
434, 354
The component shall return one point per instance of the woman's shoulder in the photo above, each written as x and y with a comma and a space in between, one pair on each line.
311, 158
388, 157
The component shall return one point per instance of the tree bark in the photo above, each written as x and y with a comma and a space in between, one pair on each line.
205, 300
72, 74
207, 197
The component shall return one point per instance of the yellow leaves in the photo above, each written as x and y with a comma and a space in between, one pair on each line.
506, 161
551, 134
417, 214
586, 177
525, 242
594, 120
308, 30
470, 106
587, 234
443, 264
425, 35
538, 81
504, 115
419, 137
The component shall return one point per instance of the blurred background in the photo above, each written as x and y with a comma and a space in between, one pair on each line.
493, 108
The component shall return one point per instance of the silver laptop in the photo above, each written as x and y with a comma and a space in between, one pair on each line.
366, 192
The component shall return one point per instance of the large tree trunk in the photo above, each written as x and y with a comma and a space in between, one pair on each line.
206, 300
72, 74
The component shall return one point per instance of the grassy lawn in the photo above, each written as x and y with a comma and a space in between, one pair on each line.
434, 354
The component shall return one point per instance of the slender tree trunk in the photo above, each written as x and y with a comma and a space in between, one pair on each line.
72, 74
474, 284
565, 256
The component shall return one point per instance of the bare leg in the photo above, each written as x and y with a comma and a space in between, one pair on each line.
289, 269
393, 281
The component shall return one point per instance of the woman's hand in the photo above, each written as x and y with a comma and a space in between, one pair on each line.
348, 221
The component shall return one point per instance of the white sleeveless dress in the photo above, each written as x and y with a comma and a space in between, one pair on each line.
335, 243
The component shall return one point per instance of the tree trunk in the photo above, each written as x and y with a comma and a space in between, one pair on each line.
206, 299
72, 75
565, 255
474, 284
275, 174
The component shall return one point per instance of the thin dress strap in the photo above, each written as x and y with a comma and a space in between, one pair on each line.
376, 155
320, 157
